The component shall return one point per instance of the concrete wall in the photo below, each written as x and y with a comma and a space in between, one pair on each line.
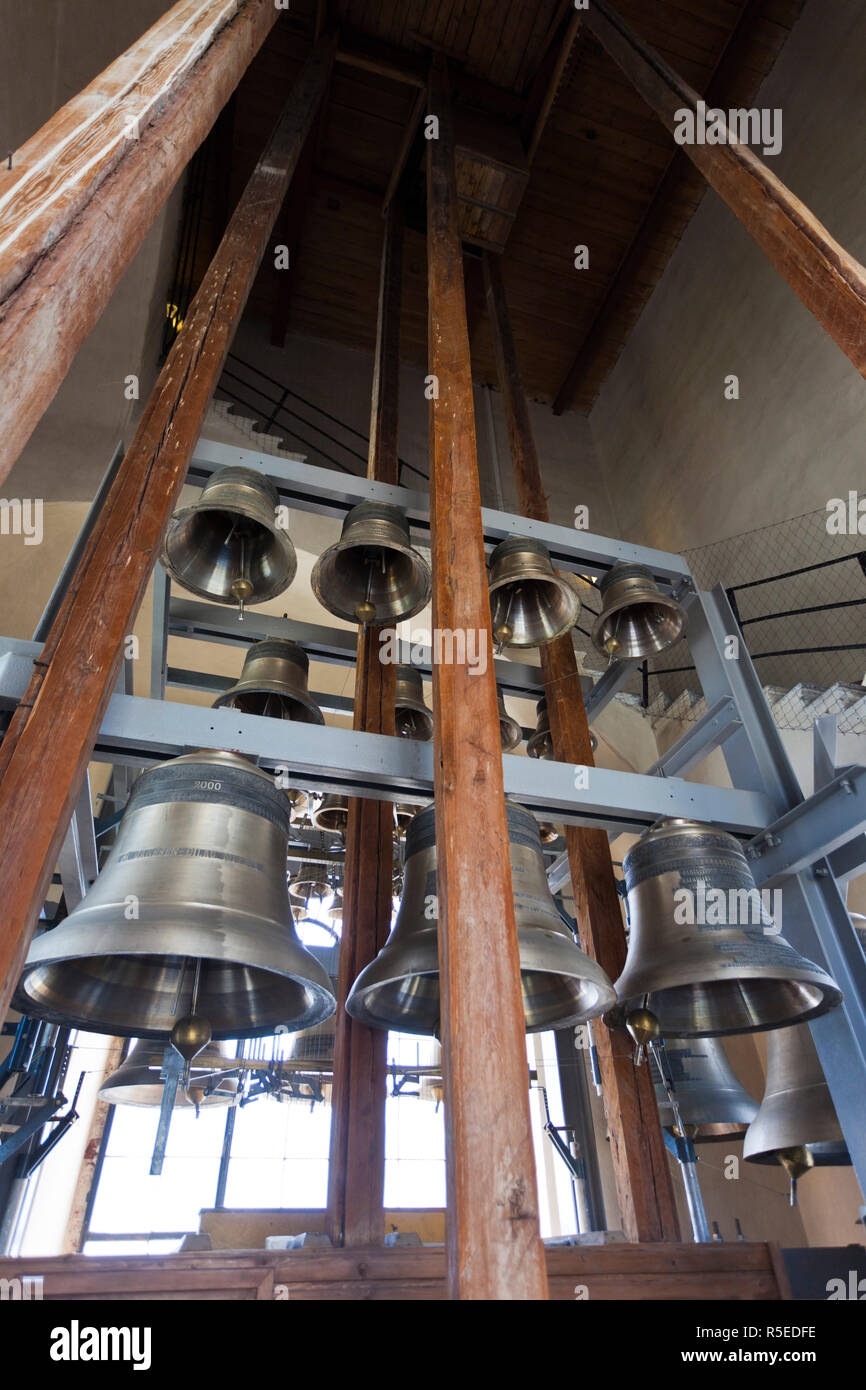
684, 466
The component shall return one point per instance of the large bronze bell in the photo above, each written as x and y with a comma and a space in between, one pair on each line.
713, 1105
228, 546
412, 716
332, 813
540, 744
137, 1081
310, 880
400, 988
273, 682
373, 574
797, 1110
530, 604
703, 945
636, 618
191, 905
510, 732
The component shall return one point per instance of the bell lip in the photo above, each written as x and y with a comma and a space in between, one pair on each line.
825, 1153
305, 971
716, 1131
534, 742
831, 997
660, 600
327, 559
514, 735
548, 576
254, 687
245, 509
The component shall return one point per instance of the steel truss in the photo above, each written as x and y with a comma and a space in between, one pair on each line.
799, 844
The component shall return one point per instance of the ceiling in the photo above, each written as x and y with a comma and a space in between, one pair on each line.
605, 173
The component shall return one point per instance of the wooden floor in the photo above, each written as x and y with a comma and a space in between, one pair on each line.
664, 1271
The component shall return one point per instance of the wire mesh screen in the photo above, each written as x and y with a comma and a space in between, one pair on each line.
799, 594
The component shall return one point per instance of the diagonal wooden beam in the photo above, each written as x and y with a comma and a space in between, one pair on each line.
356, 1172
643, 1183
829, 281
82, 193
494, 1250
46, 749
679, 181
545, 86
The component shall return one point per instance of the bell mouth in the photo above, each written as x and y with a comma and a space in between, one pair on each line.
724, 1007
412, 722
832, 1154
274, 704
138, 996
536, 609
207, 549
399, 589
639, 629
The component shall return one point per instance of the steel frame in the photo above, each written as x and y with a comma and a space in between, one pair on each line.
792, 840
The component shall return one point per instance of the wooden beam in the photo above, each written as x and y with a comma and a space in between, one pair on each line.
643, 1183
830, 282
494, 1250
681, 181
548, 79
384, 59
84, 191
356, 1172
291, 223
47, 746
409, 133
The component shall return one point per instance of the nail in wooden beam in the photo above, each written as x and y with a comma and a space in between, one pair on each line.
821, 273
494, 1250
82, 193
356, 1172
44, 755
643, 1183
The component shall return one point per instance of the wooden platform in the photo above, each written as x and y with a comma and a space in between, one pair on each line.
742, 1272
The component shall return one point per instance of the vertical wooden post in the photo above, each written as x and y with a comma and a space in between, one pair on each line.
357, 1155
643, 1183
49, 741
494, 1250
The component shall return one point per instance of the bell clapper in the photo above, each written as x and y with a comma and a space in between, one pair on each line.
503, 632
644, 1028
795, 1162
241, 588
365, 611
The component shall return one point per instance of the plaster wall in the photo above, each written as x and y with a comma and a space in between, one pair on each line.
685, 466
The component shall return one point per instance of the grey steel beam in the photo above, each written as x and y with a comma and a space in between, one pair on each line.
812, 830
330, 493
707, 733
139, 732
77, 862
159, 634
608, 685
815, 919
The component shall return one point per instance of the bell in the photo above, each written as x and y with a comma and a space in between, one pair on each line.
510, 731
400, 988
703, 945
403, 814
711, 1100
137, 1080
274, 682
227, 546
797, 1109
310, 880
412, 717
332, 813
530, 604
189, 916
372, 574
540, 744
636, 618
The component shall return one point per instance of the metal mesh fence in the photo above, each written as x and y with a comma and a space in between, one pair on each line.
799, 593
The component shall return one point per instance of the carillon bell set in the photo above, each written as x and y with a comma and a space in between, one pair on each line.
187, 938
